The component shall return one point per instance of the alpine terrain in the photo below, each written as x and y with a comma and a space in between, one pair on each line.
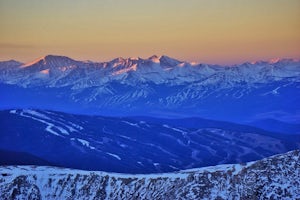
157, 87
276, 177
174, 129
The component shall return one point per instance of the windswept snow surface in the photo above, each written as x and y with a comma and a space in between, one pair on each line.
276, 177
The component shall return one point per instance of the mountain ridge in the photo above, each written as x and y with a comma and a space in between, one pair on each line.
276, 177
159, 70
157, 57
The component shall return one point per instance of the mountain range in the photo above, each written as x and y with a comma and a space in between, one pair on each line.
153, 115
249, 93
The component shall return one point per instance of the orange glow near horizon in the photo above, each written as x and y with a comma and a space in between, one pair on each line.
210, 31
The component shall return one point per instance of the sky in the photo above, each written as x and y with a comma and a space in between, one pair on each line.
207, 31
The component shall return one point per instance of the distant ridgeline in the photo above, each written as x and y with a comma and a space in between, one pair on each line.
250, 93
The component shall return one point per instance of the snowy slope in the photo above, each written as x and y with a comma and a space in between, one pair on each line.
276, 177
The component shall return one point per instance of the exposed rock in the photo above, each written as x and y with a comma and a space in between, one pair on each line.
277, 177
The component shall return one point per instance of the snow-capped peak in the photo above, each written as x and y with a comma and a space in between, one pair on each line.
134, 58
38, 60
168, 61
117, 60
154, 59
275, 61
52, 61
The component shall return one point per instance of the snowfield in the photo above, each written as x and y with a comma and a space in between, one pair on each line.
276, 177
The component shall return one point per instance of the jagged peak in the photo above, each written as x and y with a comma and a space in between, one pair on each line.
134, 58
167, 57
162, 60
154, 58
119, 59
166, 60
122, 60
275, 61
283, 60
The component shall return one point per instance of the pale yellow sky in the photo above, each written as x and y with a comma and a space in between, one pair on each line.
211, 31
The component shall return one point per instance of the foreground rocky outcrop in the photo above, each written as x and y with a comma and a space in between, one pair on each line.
277, 177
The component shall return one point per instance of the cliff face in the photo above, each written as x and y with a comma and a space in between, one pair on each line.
277, 177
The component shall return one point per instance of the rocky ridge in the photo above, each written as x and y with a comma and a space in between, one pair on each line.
277, 177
